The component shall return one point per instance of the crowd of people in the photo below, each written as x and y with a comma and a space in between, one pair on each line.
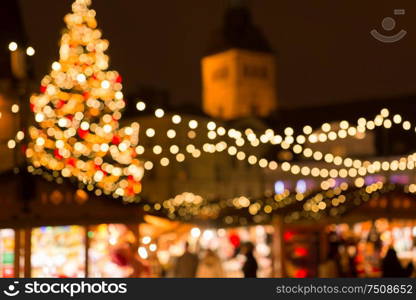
362, 259
189, 265
345, 258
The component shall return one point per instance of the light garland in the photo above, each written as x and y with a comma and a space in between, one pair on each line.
353, 167
333, 200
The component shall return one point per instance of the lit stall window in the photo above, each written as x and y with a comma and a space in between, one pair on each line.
7, 253
58, 252
107, 251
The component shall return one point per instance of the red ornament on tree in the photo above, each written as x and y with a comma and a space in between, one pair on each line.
60, 103
235, 240
57, 155
116, 140
82, 133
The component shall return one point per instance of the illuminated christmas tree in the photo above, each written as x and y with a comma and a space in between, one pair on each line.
78, 113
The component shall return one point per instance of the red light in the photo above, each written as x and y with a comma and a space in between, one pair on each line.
8, 272
301, 273
301, 251
288, 236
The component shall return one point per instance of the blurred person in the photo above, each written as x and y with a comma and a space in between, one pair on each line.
156, 269
250, 265
186, 264
140, 267
125, 256
210, 266
391, 266
329, 267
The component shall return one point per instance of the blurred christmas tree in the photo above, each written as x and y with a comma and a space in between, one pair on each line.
78, 113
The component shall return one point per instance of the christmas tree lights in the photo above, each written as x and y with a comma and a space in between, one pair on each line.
78, 113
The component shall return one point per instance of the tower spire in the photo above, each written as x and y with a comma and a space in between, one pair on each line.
239, 70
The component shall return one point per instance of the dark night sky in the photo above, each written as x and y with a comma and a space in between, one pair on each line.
325, 51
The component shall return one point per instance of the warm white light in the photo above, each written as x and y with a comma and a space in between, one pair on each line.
326, 127
56, 66
40, 141
105, 84
11, 144
140, 106
307, 129
180, 157
30, 51
152, 247
385, 112
146, 240
140, 150
15, 108
157, 149
150, 132
20, 135
211, 125
193, 124
81, 78
164, 162
397, 119
148, 165
85, 125
159, 113
195, 232
171, 133
176, 119
406, 125
174, 149
289, 131
143, 253
39, 117
107, 128
118, 95
13, 46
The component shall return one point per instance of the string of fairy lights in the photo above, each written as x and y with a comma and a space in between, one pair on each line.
354, 167
77, 135
345, 167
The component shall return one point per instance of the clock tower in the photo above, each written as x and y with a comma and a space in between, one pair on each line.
238, 73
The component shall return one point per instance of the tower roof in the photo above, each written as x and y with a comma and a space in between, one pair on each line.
238, 31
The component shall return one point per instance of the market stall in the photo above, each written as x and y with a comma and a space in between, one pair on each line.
362, 246
7, 253
58, 251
